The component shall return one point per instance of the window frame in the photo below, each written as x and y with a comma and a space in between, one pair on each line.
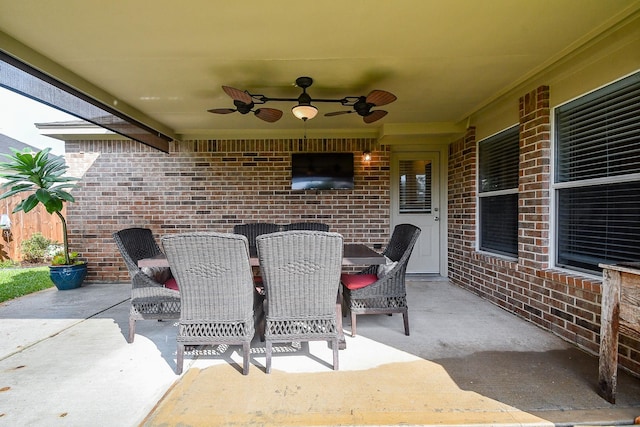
558, 184
493, 194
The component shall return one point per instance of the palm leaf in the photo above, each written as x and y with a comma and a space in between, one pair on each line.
27, 204
16, 190
43, 177
53, 205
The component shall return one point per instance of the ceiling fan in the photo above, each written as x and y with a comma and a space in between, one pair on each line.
246, 102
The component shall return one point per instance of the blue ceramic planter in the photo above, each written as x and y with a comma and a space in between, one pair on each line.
67, 277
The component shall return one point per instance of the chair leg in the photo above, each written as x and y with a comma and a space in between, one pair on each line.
268, 354
339, 311
343, 306
261, 326
353, 324
405, 317
335, 355
246, 351
132, 329
180, 359
262, 322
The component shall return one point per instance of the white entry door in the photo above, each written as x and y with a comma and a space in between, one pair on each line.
415, 200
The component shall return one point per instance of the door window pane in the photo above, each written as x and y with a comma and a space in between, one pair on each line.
415, 186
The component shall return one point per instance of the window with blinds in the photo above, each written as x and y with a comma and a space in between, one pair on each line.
498, 163
597, 179
415, 186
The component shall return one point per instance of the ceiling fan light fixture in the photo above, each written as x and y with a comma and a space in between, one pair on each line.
245, 102
304, 112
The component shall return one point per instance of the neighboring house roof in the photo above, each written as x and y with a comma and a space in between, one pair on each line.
6, 143
66, 124
74, 129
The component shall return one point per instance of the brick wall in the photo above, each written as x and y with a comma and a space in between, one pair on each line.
212, 185
566, 304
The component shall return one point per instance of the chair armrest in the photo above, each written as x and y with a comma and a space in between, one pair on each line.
391, 284
141, 280
372, 269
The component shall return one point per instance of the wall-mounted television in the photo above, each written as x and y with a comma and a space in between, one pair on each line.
322, 171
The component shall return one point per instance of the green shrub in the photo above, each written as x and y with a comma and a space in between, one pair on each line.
34, 248
59, 259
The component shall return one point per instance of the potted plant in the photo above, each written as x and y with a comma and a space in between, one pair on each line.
42, 177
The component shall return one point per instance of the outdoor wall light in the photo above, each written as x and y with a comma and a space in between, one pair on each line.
366, 156
5, 222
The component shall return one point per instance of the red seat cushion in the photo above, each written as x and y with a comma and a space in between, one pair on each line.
257, 282
171, 284
357, 281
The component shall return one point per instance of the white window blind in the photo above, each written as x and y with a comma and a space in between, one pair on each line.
498, 163
597, 180
415, 186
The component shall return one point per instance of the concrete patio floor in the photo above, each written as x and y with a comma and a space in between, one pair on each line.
65, 361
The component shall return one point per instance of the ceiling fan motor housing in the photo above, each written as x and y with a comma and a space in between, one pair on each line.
362, 107
242, 107
304, 82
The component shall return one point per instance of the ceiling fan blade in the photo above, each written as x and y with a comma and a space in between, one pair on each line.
380, 97
374, 115
237, 94
222, 110
268, 114
338, 113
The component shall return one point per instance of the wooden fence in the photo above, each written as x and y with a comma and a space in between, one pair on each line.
23, 226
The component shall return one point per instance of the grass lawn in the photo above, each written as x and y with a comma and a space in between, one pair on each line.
16, 282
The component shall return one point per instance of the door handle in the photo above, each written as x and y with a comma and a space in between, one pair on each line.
436, 219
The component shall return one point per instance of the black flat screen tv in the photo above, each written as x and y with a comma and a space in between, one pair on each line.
322, 171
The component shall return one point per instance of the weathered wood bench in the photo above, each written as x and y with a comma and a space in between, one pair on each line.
620, 315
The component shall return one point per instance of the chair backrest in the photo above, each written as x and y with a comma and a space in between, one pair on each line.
301, 272
214, 275
135, 244
401, 244
253, 230
317, 226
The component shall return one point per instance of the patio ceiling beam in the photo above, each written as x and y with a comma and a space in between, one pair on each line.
29, 73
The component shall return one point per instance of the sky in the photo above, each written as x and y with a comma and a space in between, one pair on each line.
18, 115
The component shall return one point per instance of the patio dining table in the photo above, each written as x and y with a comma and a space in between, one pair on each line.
353, 254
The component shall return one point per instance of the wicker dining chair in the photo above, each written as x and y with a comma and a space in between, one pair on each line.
301, 273
317, 226
216, 286
253, 230
150, 299
377, 291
